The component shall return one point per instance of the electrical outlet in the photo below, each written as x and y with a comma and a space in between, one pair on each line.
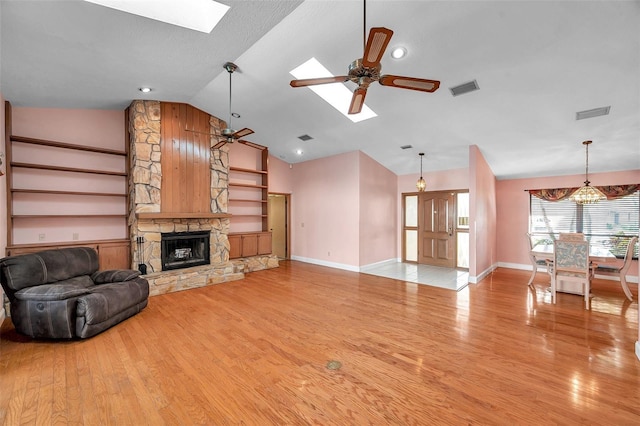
41, 237
76, 236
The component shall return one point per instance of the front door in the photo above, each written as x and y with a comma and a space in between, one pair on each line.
277, 218
436, 229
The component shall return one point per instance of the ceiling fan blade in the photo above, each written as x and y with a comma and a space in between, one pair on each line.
242, 132
252, 145
376, 44
410, 83
357, 101
321, 80
219, 144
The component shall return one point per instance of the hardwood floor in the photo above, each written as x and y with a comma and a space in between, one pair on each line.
255, 352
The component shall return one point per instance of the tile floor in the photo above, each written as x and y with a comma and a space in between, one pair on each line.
453, 279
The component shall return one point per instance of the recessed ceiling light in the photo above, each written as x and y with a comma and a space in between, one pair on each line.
235, 115
336, 94
398, 52
299, 151
199, 15
145, 89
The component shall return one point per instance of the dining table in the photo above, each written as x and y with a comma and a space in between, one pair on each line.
597, 254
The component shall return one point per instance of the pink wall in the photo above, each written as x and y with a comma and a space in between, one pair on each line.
482, 210
280, 176
378, 212
513, 209
325, 211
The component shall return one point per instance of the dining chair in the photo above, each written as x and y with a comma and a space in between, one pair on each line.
571, 236
535, 262
571, 264
621, 271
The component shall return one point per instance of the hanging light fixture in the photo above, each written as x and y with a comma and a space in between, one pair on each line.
421, 184
587, 194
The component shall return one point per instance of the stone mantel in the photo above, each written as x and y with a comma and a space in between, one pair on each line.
153, 216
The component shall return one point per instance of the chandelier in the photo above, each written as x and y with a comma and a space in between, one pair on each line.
421, 184
587, 194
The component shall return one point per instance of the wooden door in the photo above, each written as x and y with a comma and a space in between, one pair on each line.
436, 229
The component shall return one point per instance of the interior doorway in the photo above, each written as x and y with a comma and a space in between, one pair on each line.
436, 228
278, 222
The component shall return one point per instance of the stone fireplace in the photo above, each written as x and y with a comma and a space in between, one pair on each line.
150, 216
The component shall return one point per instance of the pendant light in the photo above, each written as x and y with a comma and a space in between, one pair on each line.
421, 184
587, 194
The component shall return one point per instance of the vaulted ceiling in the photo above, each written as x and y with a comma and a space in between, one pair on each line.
536, 62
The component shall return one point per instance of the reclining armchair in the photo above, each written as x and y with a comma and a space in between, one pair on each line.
60, 294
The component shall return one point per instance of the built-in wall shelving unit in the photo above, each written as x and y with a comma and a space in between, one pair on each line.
47, 192
248, 198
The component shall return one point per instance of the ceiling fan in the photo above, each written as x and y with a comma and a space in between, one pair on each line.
229, 135
367, 69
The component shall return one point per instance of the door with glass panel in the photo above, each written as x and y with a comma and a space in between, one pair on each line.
436, 221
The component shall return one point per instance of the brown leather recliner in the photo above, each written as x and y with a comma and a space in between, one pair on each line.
60, 294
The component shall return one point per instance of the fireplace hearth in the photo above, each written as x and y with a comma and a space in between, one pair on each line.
184, 249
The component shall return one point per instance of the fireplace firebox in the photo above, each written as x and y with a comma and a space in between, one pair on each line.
184, 249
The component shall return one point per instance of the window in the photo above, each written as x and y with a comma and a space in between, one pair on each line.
609, 223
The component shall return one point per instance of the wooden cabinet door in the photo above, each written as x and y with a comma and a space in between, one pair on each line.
249, 245
114, 255
235, 246
264, 243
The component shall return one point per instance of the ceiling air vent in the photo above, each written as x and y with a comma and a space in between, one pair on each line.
464, 88
305, 138
406, 147
590, 113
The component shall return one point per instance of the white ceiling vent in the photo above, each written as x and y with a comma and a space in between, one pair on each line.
464, 88
406, 147
590, 113
305, 138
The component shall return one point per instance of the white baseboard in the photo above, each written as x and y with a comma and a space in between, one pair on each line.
638, 349
325, 263
476, 279
381, 263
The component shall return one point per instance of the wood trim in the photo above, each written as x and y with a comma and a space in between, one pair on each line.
171, 215
67, 169
63, 145
242, 200
66, 243
8, 172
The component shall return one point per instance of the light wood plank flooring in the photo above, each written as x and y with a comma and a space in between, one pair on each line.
255, 352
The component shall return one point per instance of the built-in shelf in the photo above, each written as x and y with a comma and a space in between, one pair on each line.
49, 216
67, 169
242, 200
240, 169
46, 191
56, 144
169, 215
248, 185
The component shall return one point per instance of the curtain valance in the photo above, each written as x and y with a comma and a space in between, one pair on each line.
558, 194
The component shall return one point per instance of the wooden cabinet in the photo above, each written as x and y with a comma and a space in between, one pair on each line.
249, 244
112, 254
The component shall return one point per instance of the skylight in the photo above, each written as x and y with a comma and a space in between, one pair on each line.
199, 15
336, 94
